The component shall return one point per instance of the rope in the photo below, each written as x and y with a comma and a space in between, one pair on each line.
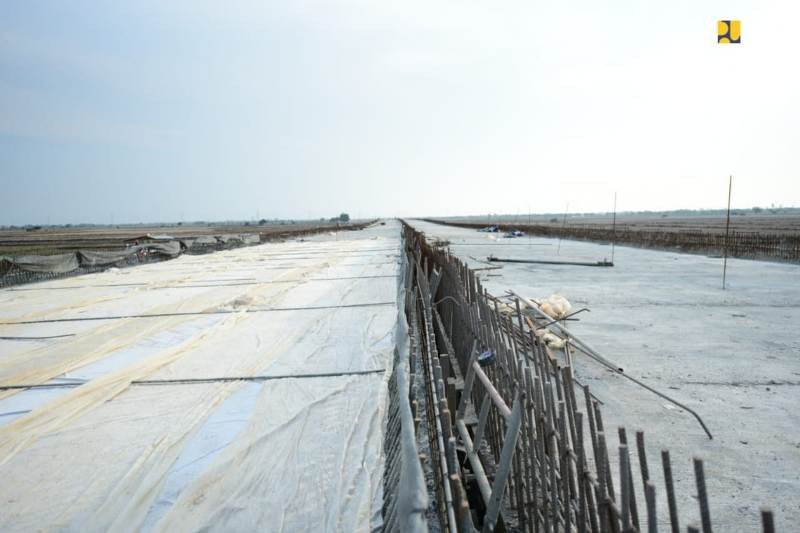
195, 313
36, 338
243, 281
192, 381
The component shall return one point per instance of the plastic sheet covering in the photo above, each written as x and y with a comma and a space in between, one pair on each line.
170, 249
100, 258
229, 239
300, 453
34, 268
288, 468
202, 244
58, 263
406, 497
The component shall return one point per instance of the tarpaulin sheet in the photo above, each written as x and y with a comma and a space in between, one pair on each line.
58, 263
205, 240
229, 239
100, 258
69, 262
169, 249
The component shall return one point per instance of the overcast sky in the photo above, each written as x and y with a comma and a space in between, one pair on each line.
208, 110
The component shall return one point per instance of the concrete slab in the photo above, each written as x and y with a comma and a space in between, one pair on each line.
730, 355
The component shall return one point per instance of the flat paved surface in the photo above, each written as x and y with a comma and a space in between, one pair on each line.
733, 356
286, 454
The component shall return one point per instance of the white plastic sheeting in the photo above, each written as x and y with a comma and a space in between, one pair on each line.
302, 453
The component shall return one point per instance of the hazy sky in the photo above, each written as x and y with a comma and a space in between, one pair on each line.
168, 110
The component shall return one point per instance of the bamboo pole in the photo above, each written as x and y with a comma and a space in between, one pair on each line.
727, 231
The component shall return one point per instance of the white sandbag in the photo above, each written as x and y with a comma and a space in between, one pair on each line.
555, 306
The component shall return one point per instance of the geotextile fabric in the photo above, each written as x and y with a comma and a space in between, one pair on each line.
296, 453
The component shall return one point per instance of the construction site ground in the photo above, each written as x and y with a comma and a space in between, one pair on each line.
732, 356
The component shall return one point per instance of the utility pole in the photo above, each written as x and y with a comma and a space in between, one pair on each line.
529, 224
727, 231
563, 226
614, 227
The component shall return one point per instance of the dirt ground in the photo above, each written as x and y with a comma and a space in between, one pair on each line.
730, 355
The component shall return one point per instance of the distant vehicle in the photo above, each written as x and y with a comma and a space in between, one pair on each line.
514, 233
490, 229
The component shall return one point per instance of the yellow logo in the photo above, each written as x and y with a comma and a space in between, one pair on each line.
729, 31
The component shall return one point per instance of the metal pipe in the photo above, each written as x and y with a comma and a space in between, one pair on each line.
493, 394
475, 463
